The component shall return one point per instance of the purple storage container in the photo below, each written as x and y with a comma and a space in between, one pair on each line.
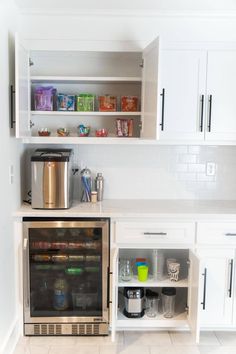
43, 98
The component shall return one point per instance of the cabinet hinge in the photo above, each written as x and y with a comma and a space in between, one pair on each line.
31, 63
31, 124
188, 263
187, 309
141, 64
140, 125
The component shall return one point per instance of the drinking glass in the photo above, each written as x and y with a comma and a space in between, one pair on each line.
126, 271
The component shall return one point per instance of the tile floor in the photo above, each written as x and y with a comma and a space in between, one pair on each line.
132, 343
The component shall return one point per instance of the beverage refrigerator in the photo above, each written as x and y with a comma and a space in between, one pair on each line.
66, 276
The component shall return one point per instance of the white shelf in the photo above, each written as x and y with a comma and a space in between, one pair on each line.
151, 283
86, 140
76, 113
179, 320
84, 79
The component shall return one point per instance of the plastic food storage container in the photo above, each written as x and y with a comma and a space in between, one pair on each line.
107, 103
129, 103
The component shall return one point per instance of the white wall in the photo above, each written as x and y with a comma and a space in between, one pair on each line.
10, 194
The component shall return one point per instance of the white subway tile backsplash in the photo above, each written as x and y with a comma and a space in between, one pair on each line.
159, 172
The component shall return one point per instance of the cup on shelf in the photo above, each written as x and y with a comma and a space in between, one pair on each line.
168, 261
152, 303
168, 302
142, 272
173, 271
126, 271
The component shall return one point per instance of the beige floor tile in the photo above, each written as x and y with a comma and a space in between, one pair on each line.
101, 340
208, 338
111, 349
83, 349
146, 338
226, 338
160, 349
182, 338
217, 349
59, 341
128, 349
38, 349
187, 349
21, 349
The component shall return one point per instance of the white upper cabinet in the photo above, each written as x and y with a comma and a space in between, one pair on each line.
182, 90
120, 71
197, 90
221, 95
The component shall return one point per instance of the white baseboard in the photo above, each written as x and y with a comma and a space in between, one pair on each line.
11, 339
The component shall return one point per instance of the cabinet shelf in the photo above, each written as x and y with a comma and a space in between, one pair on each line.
85, 79
76, 113
179, 320
84, 140
183, 283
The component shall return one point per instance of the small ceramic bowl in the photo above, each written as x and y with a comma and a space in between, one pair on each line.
63, 132
101, 133
44, 132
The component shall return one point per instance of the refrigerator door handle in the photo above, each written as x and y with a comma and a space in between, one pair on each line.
26, 273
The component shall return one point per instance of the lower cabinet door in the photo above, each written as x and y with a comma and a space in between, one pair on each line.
216, 287
194, 295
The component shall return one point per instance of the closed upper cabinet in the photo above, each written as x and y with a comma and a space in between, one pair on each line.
182, 92
221, 95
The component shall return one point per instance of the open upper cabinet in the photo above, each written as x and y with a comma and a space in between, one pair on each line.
125, 75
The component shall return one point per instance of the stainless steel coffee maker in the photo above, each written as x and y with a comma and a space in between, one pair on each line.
51, 179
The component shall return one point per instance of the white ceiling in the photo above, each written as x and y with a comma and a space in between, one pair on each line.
202, 6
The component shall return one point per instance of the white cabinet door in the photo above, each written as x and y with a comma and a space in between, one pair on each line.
194, 295
217, 288
150, 90
22, 89
114, 299
221, 95
182, 91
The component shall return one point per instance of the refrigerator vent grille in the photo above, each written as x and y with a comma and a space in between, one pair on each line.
37, 330
73, 329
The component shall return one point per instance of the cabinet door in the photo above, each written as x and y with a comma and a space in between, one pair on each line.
182, 92
22, 89
150, 90
221, 88
217, 288
114, 300
194, 295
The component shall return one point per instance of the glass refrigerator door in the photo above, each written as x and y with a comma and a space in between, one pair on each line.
67, 266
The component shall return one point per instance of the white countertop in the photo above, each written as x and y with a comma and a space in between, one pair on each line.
190, 209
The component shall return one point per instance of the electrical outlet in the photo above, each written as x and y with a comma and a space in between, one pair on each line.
210, 169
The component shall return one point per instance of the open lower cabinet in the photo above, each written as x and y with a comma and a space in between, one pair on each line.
188, 296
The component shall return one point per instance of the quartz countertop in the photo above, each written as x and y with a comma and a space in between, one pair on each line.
136, 208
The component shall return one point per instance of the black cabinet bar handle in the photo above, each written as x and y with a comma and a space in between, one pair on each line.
202, 111
203, 303
230, 234
108, 287
210, 108
12, 121
231, 277
162, 109
155, 233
